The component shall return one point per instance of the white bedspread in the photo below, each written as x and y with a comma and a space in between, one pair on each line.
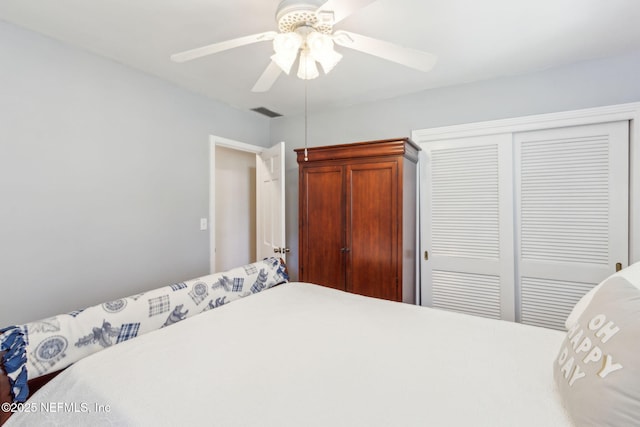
304, 355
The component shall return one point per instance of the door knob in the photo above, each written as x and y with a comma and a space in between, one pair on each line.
281, 250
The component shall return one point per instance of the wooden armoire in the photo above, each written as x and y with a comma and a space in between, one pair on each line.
357, 217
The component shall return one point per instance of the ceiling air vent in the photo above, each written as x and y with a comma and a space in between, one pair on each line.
266, 112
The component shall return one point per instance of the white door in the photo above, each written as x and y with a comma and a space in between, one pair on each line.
468, 226
571, 215
521, 225
270, 207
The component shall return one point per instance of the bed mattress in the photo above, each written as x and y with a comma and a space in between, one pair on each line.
305, 355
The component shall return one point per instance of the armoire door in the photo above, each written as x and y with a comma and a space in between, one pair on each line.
372, 229
322, 226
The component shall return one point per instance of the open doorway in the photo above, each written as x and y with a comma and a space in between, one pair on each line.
232, 203
235, 214
246, 203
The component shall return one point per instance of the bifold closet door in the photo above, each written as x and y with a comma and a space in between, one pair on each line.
467, 223
571, 215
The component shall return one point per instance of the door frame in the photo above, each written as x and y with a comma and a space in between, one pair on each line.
218, 141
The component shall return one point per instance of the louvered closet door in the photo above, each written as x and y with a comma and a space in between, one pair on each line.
571, 215
468, 226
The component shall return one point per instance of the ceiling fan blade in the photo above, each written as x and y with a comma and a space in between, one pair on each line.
221, 46
268, 78
412, 58
343, 8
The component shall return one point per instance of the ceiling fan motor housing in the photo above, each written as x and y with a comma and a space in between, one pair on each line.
293, 14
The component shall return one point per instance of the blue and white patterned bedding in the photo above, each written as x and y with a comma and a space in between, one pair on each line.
37, 348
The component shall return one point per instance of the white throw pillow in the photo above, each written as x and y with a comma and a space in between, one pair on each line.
631, 273
597, 371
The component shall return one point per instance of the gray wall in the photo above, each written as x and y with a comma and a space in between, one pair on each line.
104, 170
103, 177
588, 84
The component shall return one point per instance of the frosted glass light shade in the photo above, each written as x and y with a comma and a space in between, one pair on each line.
286, 46
307, 69
329, 60
321, 48
309, 46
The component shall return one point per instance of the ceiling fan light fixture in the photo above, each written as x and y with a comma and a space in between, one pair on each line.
318, 42
286, 47
287, 42
321, 48
307, 68
329, 60
285, 62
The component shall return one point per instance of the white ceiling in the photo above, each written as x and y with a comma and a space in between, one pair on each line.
474, 40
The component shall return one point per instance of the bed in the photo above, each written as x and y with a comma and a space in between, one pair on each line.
299, 354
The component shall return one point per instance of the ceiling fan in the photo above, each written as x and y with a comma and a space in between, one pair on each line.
306, 34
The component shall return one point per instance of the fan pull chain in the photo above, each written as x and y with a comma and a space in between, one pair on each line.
306, 106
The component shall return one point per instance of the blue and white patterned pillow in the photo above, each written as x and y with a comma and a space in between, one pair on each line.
48, 345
